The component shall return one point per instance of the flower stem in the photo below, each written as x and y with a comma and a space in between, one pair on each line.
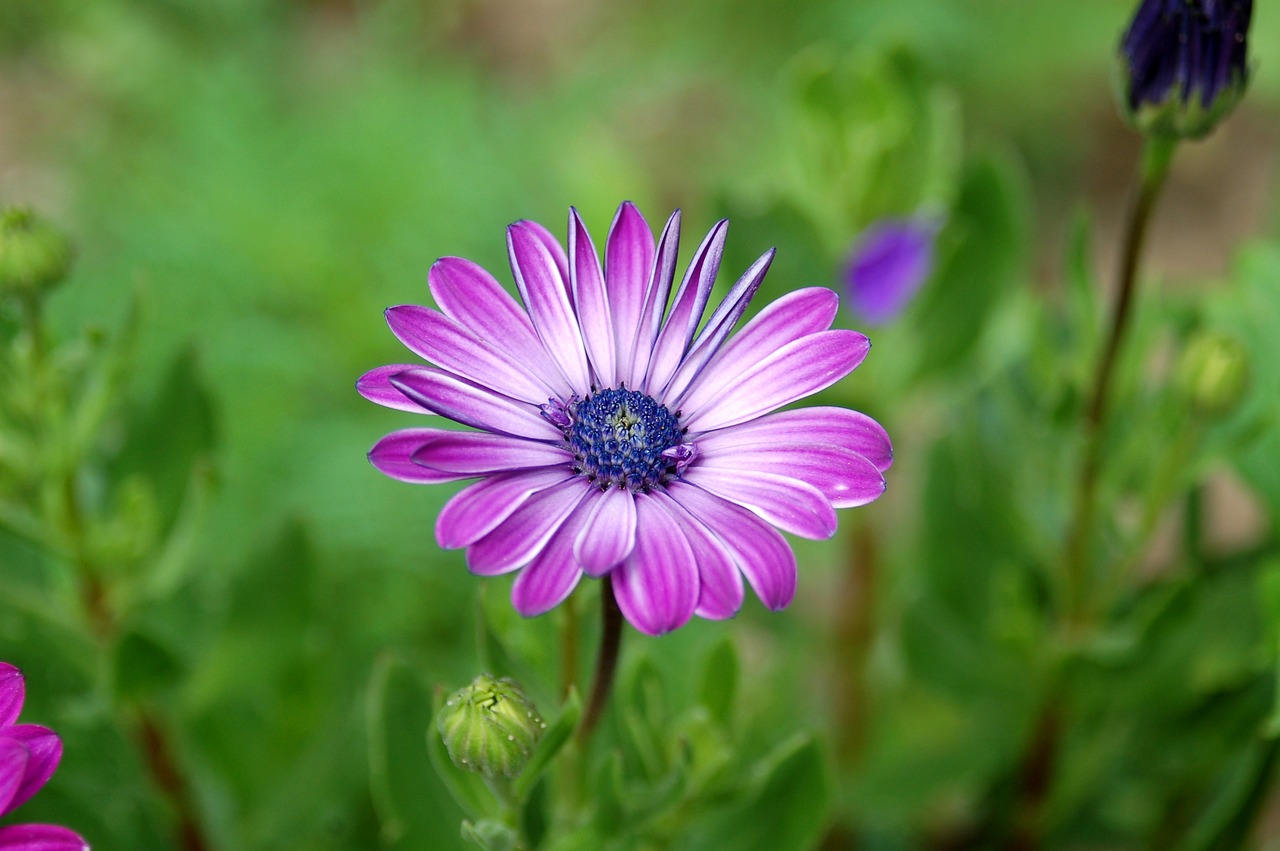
606, 662
1156, 156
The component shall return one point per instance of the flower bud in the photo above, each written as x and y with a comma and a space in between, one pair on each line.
1213, 374
1184, 64
34, 256
490, 727
889, 263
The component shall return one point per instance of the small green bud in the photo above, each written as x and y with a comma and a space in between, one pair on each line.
34, 255
490, 727
1213, 374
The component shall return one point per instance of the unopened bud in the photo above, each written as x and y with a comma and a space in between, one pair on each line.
34, 255
1214, 374
490, 727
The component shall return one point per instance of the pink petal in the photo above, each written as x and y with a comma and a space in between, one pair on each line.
546, 581
470, 453
44, 751
800, 368
393, 456
12, 692
687, 309
720, 589
790, 504
628, 263
655, 302
520, 537
546, 294
609, 533
549, 242
790, 318
657, 586
480, 507
460, 400
13, 767
845, 478
592, 302
760, 552
841, 427
375, 385
470, 295
40, 837
444, 342
718, 327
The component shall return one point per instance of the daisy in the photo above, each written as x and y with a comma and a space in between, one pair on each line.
616, 433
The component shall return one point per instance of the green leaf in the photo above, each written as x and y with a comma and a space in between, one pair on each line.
545, 751
719, 683
143, 666
980, 260
785, 807
412, 805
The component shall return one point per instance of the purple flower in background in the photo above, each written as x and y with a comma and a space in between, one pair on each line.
1185, 63
615, 438
29, 754
889, 263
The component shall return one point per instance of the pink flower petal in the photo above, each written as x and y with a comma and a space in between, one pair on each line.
12, 692
546, 581
687, 309
761, 553
444, 342
546, 294
790, 504
655, 303
375, 385
40, 837
628, 264
470, 453
549, 242
44, 751
519, 538
609, 533
470, 295
845, 478
461, 401
480, 507
720, 589
841, 427
393, 456
13, 767
799, 369
657, 586
592, 301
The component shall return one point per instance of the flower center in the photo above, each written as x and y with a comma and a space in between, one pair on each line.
622, 437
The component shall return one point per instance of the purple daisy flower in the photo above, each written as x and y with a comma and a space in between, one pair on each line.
615, 437
29, 754
889, 263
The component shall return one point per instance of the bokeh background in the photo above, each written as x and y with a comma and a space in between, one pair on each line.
259, 179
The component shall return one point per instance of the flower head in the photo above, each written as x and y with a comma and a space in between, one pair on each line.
616, 434
1184, 64
490, 727
29, 754
889, 263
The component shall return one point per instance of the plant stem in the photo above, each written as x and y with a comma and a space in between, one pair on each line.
1156, 156
606, 662
158, 752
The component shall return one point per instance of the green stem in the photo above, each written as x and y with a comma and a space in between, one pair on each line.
1157, 155
606, 662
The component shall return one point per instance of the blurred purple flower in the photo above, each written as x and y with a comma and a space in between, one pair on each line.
615, 442
29, 754
889, 263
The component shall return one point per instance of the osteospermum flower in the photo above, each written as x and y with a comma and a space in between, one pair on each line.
619, 435
29, 754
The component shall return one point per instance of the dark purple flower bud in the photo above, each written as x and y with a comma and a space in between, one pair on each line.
889, 263
1184, 64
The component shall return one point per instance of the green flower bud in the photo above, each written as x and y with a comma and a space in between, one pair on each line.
34, 255
490, 727
1213, 374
